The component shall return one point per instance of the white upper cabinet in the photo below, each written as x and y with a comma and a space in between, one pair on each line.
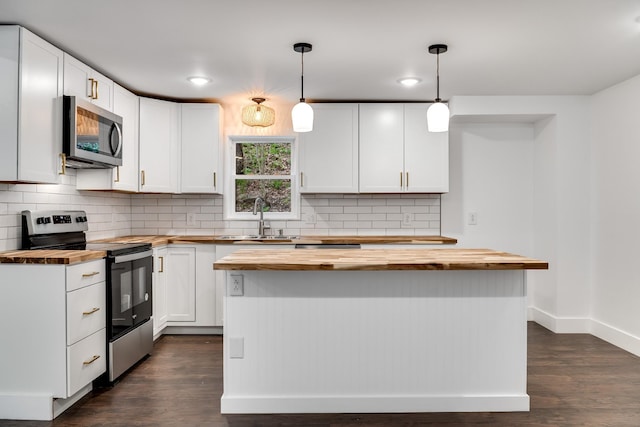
201, 148
329, 154
381, 148
83, 82
125, 177
398, 154
426, 159
31, 113
159, 154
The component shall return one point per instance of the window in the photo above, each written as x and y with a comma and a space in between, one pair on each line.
262, 166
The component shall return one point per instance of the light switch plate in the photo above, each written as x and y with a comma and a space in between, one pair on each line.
236, 347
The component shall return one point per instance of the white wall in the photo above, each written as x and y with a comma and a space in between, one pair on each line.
491, 174
615, 118
560, 296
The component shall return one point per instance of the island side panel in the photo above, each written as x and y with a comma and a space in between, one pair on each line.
386, 341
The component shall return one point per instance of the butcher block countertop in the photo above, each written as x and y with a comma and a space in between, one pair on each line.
155, 240
377, 259
314, 240
53, 256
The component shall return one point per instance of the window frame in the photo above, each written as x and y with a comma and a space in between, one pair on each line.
230, 187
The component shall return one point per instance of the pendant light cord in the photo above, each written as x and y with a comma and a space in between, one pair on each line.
438, 77
302, 78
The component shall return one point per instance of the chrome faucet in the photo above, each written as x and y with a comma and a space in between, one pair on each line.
260, 201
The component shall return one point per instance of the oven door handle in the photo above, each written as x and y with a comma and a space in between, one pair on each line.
131, 257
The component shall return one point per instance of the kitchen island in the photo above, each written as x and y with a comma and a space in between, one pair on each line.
375, 330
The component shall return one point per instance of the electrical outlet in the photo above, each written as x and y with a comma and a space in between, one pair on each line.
237, 285
473, 218
310, 219
191, 219
407, 219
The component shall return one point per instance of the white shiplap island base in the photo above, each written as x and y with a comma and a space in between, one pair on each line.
377, 339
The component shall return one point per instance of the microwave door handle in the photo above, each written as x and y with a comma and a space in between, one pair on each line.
119, 148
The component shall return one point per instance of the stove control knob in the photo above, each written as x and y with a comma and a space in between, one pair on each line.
47, 220
79, 219
40, 220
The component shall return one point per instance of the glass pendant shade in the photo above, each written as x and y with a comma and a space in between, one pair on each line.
302, 117
258, 114
438, 117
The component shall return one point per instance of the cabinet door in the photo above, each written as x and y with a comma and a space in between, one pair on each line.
103, 93
181, 284
159, 290
158, 146
125, 177
127, 105
82, 81
381, 148
77, 77
329, 154
201, 143
206, 308
426, 153
40, 116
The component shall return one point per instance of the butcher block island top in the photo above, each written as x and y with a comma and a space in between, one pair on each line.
49, 256
377, 259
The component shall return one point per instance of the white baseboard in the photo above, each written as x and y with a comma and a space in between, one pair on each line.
615, 336
372, 404
577, 325
559, 325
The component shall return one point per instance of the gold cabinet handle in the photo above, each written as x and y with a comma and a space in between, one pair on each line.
407, 180
93, 310
95, 89
215, 180
90, 361
141, 177
161, 264
63, 164
401, 179
93, 273
117, 174
90, 88
301, 179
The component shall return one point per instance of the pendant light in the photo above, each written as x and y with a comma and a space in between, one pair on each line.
302, 113
438, 112
258, 114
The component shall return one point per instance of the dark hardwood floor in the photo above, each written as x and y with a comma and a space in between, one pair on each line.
574, 380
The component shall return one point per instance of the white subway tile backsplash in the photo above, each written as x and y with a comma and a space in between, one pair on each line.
118, 214
358, 209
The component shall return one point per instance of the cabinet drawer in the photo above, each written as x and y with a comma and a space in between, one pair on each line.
86, 311
86, 360
85, 274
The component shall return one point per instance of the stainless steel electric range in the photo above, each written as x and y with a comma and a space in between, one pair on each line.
129, 271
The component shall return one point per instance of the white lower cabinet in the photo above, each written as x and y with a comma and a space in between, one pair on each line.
159, 290
181, 284
184, 288
53, 319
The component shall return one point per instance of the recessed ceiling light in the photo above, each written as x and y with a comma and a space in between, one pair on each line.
199, 81
409, 81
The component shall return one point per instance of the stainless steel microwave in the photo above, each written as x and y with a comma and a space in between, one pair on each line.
92, 136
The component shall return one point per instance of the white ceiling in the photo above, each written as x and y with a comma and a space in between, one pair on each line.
360, 47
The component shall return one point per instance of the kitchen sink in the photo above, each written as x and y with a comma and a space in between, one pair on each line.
258, 238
